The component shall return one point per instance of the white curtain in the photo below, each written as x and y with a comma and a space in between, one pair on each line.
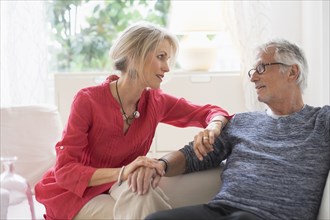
305, 23
248, 23
24, 78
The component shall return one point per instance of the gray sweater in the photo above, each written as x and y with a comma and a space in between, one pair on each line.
275, 168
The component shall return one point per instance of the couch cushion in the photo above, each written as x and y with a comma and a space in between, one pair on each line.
30, 133
192, 188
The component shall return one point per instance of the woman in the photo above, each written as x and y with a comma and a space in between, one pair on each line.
111, 127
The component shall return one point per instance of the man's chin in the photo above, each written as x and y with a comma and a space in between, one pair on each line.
260, 99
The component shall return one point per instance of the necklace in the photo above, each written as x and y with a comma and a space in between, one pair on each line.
136, 113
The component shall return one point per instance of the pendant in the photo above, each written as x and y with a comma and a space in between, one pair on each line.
136, 114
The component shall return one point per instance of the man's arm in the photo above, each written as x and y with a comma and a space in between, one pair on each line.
174, 163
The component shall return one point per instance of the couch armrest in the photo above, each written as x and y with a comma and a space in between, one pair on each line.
4, 195
193, 188
324, 212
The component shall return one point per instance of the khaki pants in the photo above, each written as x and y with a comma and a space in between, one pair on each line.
122, 203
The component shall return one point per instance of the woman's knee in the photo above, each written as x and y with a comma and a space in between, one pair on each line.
100, 207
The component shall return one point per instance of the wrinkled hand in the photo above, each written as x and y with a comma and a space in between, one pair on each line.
141, 172
143, 161
204, 140
141, 179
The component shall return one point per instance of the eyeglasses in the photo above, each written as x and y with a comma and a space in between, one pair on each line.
262, 68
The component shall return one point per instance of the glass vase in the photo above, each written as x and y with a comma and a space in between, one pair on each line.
19, 189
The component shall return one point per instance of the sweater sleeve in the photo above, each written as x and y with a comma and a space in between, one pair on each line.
213, 159
182, 113
70, 171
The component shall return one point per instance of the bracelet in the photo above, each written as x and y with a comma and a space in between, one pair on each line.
218, 120
120, 174
166, 163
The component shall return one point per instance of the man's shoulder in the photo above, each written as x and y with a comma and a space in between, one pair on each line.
324, 114
250, 114
321, 111
323, 108
249, 118
326, 109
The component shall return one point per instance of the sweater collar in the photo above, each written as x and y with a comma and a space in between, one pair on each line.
270, 113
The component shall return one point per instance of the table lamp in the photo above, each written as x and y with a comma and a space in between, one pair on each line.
195, 21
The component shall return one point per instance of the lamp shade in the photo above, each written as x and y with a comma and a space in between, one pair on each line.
195, 19
196, 52
196, 16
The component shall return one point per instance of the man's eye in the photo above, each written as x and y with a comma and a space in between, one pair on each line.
260, 68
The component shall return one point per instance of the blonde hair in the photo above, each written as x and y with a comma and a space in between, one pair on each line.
130, 49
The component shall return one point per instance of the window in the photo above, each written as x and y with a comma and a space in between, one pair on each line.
82, 31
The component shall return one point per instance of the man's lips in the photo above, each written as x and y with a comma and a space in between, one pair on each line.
259, 87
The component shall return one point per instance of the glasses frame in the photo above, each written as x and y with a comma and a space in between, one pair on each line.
263, 66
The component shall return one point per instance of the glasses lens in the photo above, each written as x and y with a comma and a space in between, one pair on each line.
260, 68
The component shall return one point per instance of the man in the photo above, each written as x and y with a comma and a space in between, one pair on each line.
277, 161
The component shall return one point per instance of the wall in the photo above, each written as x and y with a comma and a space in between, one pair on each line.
307, 24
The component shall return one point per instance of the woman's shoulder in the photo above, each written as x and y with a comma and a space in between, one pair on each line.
95, 93
98, 88
90, 90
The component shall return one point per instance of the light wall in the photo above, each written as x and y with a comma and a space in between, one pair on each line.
307, 24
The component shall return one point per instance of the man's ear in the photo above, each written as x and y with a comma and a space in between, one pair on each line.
294, 71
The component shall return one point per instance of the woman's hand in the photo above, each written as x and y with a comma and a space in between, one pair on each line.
204, 140
141, 172
141, 179
143, 161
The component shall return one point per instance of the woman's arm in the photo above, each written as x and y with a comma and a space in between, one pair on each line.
107, 175
182, 113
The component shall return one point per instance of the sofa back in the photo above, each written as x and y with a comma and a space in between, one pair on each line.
30, 133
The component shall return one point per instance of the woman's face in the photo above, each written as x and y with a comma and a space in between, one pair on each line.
157, 64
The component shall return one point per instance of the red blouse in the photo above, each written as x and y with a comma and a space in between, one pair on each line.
94, 138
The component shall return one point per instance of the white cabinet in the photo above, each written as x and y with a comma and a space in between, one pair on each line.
218, 88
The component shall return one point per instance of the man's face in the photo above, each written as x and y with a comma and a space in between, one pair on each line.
272, 85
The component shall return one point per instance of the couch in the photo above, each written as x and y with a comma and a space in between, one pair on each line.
30, 133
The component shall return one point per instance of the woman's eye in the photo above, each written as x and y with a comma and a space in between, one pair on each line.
161, 56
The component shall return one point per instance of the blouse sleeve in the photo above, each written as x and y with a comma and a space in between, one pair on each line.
182, 113
70, 172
